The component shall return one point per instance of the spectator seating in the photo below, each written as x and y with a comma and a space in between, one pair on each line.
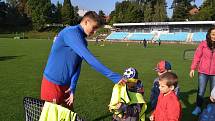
175, 37
199, 36
140, 36
179, 36
117, 36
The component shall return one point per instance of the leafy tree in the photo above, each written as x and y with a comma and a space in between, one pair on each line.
11, 18
138, 13
148, 13
76, 18
207, 11
160, 13
112, 18
102, 15
12, 3
3, 13
180, 11
135, 13
40, 12
22, 6
58, 12
127, 12
54, 14
67, 12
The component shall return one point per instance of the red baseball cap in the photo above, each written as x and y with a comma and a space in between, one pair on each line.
162, 66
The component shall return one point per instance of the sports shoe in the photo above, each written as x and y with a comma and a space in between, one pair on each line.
196, 111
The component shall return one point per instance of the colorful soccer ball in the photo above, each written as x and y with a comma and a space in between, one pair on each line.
129, 73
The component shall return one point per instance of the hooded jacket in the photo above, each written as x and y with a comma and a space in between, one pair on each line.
204, 59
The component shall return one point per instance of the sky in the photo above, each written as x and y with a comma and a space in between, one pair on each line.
105, 5
108, 5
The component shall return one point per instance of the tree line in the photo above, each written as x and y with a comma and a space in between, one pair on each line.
156, 11
24, 15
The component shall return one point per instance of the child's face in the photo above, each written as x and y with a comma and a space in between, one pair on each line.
163, 87
212, 34
130, 84
160, 73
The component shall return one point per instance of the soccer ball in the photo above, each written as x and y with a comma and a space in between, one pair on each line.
129, 73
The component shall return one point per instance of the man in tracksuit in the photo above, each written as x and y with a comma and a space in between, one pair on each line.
64, 63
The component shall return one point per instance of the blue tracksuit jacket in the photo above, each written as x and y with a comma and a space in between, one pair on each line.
67, 52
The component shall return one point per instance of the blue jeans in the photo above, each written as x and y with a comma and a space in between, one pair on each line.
202, 83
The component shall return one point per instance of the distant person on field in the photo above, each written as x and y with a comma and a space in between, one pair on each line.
140, 42
162, 67
159, 42
204, 62
97, 40
102, 42
168, 106
64, 63
144, 43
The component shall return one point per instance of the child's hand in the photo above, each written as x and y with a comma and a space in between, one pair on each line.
212, 99
140, 90
118, 105
151, 118
109, 108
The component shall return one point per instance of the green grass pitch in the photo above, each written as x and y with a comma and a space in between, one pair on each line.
22, 63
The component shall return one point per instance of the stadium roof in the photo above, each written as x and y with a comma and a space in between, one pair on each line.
165, 23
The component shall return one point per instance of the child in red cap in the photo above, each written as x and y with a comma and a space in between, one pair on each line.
162, 67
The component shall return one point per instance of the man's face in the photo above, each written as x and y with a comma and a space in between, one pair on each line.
163, 87
90, 27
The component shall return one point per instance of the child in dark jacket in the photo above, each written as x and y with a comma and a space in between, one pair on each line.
162, 67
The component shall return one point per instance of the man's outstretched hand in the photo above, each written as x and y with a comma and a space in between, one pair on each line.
69, 101
122, 81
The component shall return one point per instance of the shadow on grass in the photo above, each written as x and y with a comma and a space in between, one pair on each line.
101, 118
187, 110
189, 107
5, 58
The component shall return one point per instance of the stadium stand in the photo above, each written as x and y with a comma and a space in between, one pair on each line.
140, 36
117, 36
178, 36
199, 36
168, 37
179, 31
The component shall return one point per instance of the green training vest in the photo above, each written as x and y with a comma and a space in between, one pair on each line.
54, 112
121, 95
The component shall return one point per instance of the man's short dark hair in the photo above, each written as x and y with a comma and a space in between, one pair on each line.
94, 16
170, 77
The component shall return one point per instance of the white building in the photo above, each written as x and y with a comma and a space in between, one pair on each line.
81, 12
